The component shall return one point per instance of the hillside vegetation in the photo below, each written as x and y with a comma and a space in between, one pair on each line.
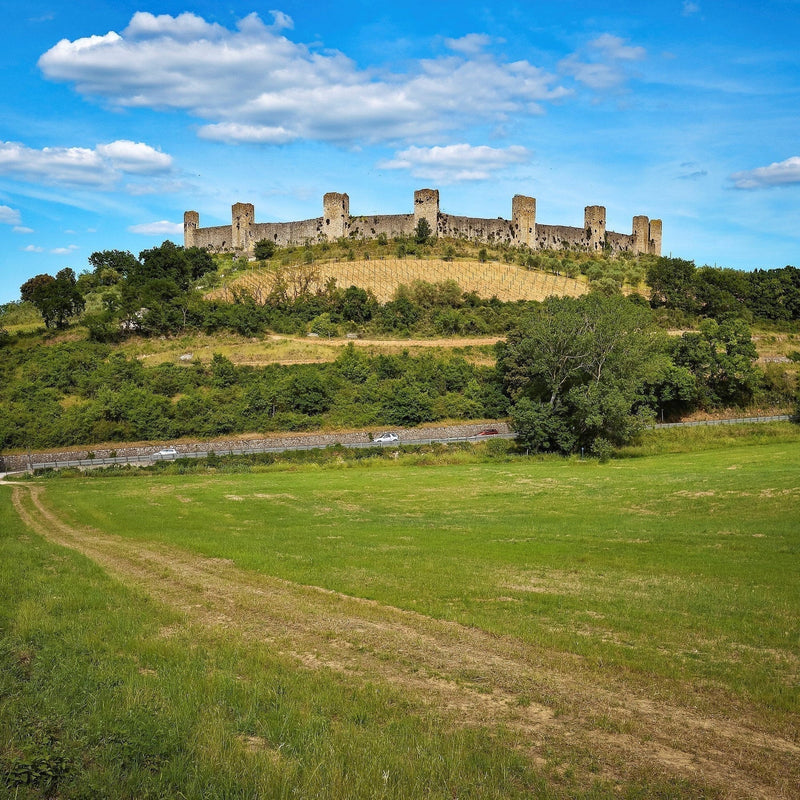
120, 361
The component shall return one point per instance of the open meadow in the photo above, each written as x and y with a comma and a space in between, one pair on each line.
474, 627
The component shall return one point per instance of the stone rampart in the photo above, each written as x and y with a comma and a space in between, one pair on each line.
336, 222
217, 239
390, 225
491, 231
286, 233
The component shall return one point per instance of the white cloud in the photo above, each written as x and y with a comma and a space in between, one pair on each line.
781, 173
22, 229
615, 48
135, 158
456, 162
63, 251
255, 85
690, 8
469, 45
32, 248
9, 216
253, 134
602, 65
163, 227
281, 21
81, 166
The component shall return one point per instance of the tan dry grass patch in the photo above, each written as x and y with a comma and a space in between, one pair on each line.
508, 282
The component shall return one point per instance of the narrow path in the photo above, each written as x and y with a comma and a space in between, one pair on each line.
552, 700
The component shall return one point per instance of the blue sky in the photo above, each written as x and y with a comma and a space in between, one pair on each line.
117, 117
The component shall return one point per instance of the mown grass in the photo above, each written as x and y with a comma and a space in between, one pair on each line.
105, 694
680, 567
676, 572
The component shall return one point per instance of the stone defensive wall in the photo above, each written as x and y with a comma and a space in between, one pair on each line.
522, 230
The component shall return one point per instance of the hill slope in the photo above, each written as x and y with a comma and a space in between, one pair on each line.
508, 282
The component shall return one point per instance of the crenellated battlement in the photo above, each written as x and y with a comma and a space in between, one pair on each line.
521, 230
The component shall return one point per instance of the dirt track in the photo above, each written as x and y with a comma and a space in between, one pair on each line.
549, 699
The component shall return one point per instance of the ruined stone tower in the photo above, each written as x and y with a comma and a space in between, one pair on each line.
641, 234
426, 206
655, 237
594, 221
523, 219
336, 215
243, 216
191, 222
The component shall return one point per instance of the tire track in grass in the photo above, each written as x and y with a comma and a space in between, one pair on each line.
552, 701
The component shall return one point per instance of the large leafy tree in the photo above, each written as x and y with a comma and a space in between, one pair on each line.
575, 369
721, 356
672, 284
110, 266
57, 299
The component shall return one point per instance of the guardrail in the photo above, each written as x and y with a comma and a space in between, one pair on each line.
153, 458
733, 421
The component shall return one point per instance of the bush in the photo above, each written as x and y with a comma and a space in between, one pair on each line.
264, 249
602, 449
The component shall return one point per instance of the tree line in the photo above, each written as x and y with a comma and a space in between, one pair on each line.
769, 295
77, 392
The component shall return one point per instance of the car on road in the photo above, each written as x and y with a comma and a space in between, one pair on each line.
489, 432
386, 438
167, 452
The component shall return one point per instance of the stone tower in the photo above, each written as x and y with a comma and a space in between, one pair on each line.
523, 219
641, 235
655, 237
191, 222
594, 222
242, 218
335, 215
426, 206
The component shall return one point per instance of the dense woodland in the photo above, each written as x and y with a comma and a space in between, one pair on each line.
572, 373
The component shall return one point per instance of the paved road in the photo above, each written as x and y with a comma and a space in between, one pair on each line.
201, 452
310, 445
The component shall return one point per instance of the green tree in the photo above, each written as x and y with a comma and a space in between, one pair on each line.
32, 285
264, 249
57, 299
575, 370
423, 232
357, 305
721, 357
223, 371
404, 403
322, 325
672, 284
112, 265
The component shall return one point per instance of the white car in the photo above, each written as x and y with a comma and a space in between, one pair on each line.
167, 452
386, 438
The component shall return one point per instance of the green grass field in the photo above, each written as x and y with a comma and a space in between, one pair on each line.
532, 628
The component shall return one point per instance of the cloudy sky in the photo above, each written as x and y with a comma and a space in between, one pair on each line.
115, 118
